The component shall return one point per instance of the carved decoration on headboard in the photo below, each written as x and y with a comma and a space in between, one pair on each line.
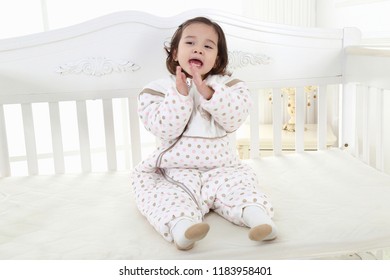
240, 59
97, 66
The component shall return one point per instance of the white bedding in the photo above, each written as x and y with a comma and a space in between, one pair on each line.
94, 216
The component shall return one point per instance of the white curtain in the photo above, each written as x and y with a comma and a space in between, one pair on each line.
291, 12
22, 17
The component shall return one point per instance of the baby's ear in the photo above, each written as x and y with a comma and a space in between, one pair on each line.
174, 55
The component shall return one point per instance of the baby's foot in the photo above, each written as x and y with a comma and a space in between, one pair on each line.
194, 233
262, 232
261, 225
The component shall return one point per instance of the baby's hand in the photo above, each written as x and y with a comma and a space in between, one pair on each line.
206, 91
181, 84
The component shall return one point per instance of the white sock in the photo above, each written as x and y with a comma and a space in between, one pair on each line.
186, 232
262, 226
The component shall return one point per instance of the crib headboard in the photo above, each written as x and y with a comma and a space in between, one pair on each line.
91, 66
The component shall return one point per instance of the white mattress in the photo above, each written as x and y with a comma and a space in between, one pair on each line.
326, 203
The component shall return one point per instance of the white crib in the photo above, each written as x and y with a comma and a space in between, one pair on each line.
70, 135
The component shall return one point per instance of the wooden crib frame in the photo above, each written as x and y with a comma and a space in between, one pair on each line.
112, 57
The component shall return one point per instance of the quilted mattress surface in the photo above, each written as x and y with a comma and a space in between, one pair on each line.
327, 203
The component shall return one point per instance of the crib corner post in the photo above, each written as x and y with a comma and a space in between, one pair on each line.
347, 127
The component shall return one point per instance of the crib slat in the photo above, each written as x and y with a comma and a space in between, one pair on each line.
379, 131
365, 128
125, 128
5, 169
85, 150
358, 121
29, 137
299, 119
109, 134
254, 126
277, 120
134, 130
56, 135
322, 117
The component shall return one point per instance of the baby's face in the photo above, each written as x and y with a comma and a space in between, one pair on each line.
198, 49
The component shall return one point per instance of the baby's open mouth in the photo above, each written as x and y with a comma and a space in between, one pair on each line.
196, 62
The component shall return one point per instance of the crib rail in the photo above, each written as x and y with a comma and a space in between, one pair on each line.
119, 119
302, 117
121, 143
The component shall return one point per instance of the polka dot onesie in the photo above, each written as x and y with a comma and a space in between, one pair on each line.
194, 170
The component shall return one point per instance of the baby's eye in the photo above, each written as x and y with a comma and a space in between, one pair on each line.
208, 47
189, 43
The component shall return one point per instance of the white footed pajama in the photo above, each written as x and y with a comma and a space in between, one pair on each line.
195, 170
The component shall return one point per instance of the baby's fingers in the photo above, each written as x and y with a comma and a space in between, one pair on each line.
197, 78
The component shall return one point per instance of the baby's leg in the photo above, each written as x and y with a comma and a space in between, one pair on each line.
185, 229
234, 191
164, 203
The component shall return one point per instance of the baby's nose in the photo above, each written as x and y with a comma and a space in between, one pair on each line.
198, 51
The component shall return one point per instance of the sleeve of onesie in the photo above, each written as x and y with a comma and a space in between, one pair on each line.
165, 114
230, 104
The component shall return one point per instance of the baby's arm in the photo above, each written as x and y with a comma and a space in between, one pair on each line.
229, 105
165, 114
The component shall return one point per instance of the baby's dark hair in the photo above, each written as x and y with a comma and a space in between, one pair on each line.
222, 59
